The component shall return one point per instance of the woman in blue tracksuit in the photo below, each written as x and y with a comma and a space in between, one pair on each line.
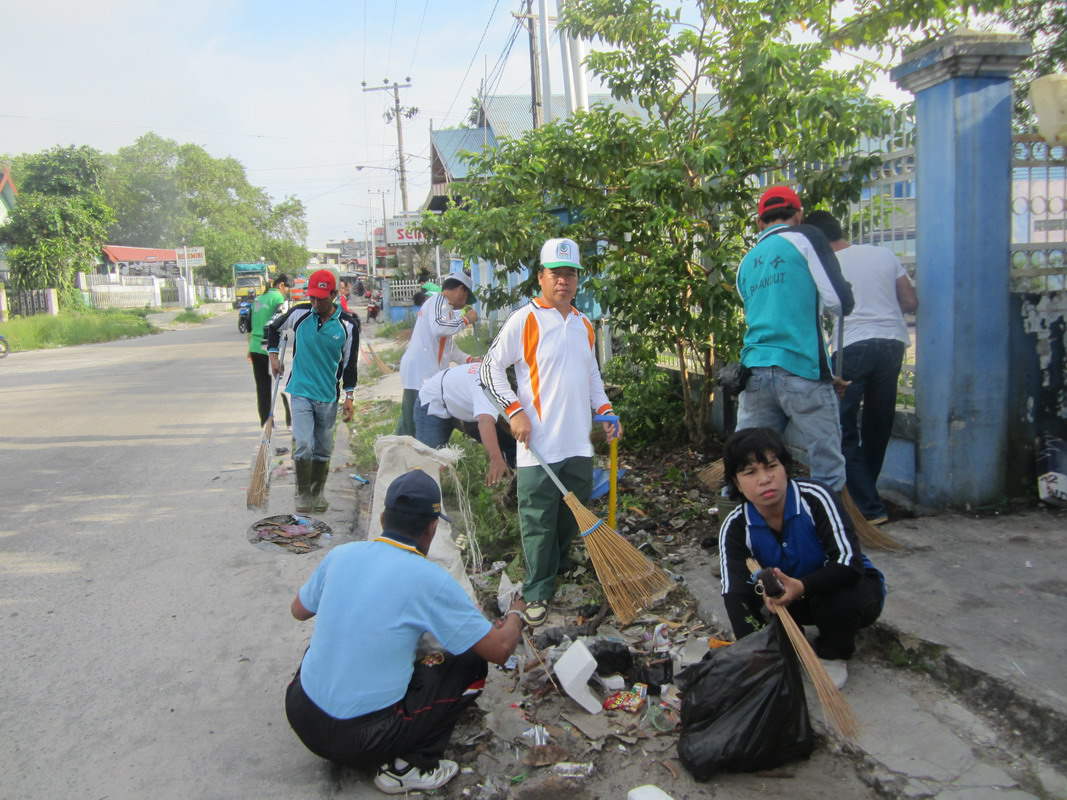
798, 528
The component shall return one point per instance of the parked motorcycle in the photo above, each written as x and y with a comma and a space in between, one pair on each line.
374, 306
244, 317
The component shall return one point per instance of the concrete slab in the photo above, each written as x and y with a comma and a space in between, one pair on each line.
986, 600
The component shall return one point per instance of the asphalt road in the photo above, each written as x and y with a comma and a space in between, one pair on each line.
146, 645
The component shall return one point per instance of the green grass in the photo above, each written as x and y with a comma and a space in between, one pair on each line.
389, 330
370, 373
475, 341
43, 331
372, 419
190, 315
492, 509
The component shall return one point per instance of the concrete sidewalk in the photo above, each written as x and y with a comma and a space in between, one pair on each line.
982, 604
960, 687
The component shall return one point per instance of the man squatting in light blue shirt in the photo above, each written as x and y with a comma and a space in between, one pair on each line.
358, 697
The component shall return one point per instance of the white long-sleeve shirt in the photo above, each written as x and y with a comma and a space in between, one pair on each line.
559, 382
457, 392
432, 347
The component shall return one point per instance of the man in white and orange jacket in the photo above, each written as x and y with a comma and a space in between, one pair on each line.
432, 346
552, 347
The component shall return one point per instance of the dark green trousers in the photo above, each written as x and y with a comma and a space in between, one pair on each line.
546, 523
405, 426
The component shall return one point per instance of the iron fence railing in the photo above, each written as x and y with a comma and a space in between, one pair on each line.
27, 302
1038, 216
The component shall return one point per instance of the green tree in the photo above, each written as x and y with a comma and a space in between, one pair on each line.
60, 221
1045, 24
664, 205
166, 194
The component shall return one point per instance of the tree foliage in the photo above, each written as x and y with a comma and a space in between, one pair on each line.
60, 221
165, 193
664, 205
1045, 25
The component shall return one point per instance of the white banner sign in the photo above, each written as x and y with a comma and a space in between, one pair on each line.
403, 230
191, 257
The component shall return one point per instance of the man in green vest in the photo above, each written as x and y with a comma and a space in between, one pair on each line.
265, 307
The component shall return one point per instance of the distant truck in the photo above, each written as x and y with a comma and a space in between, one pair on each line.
249, 280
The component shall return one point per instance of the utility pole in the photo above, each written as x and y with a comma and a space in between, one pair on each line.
536, 104
383, 193
546, 76
395, 115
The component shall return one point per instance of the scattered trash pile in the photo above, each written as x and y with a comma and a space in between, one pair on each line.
293, 532
582, 694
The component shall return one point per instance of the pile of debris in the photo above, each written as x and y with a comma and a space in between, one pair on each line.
578, 691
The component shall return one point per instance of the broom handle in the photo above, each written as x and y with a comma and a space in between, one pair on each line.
559, 484
839, 356
613, 482
613, 467
277, 378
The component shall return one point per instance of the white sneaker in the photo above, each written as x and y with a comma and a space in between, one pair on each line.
837, 670
413, 779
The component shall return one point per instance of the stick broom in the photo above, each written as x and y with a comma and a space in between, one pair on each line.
630, 581
834, 705
259, 481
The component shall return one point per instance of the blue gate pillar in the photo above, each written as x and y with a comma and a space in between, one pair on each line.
962, 87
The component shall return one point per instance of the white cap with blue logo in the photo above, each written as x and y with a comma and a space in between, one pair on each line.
560, 253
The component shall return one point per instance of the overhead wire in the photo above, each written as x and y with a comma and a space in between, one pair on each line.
496, 74
389, 47
418, 37
474, 57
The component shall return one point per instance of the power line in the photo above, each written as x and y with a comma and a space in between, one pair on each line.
477, 49
418, 37
392, 30
496, 74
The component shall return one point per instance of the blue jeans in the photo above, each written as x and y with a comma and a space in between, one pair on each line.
430, 430
873, 366
313, 428
805, 411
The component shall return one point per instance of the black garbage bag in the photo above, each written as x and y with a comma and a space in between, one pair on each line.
743, 707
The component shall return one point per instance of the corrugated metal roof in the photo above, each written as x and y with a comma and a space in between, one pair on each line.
509, 114
450, 143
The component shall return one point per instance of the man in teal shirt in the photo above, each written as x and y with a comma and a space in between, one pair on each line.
786, 281
325, 350
265, 307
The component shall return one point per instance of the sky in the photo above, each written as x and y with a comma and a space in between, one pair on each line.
276, 85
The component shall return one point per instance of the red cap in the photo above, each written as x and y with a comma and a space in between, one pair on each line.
321, 283
779, 197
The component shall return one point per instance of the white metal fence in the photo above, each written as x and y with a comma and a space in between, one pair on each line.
402, 292
1038, 216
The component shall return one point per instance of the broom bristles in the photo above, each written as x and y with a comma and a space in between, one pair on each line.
868, 534
631, 582
712, 475
258, 486
834, 705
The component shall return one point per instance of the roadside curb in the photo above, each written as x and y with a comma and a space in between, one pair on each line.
1034, 725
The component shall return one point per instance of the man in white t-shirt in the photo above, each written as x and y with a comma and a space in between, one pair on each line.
552, 347
875, 339
359, 697
453, 398
432, 346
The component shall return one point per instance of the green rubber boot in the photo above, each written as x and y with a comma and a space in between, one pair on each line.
319, 471
303, 468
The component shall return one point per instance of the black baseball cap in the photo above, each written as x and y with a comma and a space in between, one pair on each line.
415, 493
